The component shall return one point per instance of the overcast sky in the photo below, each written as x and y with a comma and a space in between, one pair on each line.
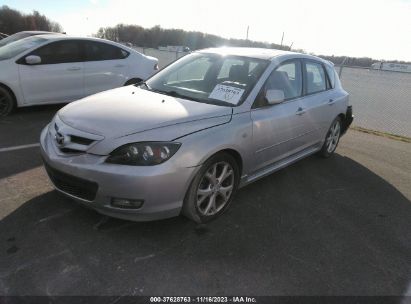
374, 28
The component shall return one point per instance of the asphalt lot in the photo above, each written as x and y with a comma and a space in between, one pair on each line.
339, 226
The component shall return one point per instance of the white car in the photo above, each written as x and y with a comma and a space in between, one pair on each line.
47, 69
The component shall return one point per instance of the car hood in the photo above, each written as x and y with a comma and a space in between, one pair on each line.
129, 110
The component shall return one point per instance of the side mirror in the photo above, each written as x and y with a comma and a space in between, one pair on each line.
32, 59
274, 96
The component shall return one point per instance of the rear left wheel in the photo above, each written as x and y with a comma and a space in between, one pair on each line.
7, 103
212, 190
332, 138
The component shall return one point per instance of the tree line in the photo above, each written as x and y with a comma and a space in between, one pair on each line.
13, 21
157, 36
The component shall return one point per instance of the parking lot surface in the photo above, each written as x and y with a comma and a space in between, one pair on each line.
339, 226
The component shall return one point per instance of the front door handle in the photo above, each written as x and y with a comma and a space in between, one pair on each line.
74, 69
119, 66
300, 111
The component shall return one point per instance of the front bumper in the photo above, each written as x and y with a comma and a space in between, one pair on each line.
94, 183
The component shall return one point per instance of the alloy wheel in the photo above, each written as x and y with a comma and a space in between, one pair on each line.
333, 136
215, 188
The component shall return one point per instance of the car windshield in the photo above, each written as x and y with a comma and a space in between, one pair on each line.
13, 49
209, 78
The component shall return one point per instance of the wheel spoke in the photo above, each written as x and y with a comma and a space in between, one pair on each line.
201, 200
212, 175
329, 139
336, 129
225, 192
210, 205
227, 171
223, 173
202, 194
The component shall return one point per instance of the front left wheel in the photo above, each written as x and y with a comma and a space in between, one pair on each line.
212, 189
7, 103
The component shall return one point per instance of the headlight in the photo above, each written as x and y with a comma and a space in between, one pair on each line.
143, 153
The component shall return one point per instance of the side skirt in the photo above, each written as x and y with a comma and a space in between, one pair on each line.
248, 179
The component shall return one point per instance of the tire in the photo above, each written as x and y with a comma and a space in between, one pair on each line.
132, 81
216, 191
7, 103
331, 139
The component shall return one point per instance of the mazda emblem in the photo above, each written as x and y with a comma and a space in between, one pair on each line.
59, 139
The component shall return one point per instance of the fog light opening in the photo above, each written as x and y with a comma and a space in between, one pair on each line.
124, 203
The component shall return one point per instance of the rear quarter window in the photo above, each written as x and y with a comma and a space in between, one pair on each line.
331, 75
99, 51
315, 77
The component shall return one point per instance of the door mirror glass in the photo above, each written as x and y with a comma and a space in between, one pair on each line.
274, 96
32, 59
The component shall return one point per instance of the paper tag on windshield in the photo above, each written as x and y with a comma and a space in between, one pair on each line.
226, 93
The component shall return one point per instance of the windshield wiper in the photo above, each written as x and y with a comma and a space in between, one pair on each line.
220, 102
175, 94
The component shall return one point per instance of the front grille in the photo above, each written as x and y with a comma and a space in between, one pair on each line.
70, 151
75, 186
81, 140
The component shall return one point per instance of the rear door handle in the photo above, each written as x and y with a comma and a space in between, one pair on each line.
300, 111
119, 66
74, 69
331, 102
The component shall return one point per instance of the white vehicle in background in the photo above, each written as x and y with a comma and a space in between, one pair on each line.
394, 67
47, 69
22, 35
174, 48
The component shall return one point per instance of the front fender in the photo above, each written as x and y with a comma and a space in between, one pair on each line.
236, 135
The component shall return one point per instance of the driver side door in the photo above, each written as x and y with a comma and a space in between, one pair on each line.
59, 77
278, 129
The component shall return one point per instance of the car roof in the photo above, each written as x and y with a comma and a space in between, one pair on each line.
68, 37
260, 53
40, 32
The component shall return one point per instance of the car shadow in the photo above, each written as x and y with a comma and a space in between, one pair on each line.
318, 227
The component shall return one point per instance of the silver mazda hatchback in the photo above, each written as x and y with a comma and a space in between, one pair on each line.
186, 139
